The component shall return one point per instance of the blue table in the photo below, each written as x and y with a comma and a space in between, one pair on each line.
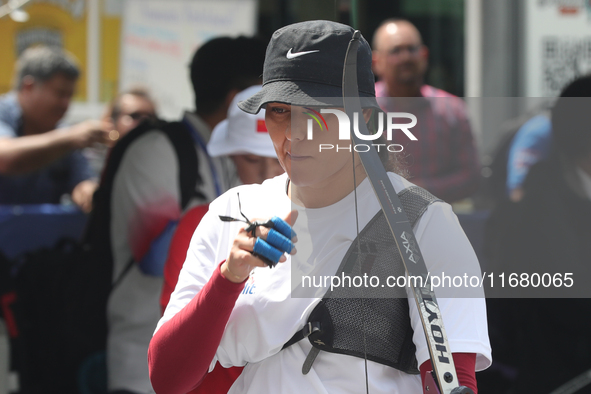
26, 228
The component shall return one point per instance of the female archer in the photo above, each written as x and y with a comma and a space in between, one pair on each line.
291, 335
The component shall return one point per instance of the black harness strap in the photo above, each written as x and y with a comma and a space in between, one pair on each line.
309, 328
330, 326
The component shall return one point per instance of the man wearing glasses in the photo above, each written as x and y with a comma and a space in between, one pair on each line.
130, 109
124, 113
444, 159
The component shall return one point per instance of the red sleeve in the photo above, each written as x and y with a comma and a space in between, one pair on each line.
182, 349
177, 253
465, 368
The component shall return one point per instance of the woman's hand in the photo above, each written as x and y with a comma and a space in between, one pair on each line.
241, 261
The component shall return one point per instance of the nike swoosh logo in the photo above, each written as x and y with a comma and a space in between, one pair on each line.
297, 54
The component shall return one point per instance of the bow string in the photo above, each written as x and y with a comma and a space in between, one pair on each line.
441, 358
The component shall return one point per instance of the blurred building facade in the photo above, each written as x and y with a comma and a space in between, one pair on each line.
478, 48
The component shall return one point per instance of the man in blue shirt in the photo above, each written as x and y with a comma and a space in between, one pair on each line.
531, 144
38, 162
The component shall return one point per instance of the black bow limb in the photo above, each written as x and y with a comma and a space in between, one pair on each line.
444, 368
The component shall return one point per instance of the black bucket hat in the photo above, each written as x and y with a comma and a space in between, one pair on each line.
304, 67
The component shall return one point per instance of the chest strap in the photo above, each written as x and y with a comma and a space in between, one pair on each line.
373, 325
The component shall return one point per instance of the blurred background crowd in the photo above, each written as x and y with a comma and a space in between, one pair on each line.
119, 124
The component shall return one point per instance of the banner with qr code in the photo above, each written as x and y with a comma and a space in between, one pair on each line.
563, 60
557, 44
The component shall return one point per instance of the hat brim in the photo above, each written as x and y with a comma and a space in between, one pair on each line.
221, 143
301, 93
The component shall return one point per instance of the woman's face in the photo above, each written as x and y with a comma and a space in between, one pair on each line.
302, 158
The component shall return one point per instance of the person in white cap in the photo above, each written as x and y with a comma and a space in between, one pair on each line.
245, 139
230, 307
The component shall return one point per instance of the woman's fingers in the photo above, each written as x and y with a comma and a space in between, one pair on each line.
268, 253
244, 241
278, 235
266, 249
279, 241
283, 226
290, 219
241, 260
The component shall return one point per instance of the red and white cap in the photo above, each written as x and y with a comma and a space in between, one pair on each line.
241, 133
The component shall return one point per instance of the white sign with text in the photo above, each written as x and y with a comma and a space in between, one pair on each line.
160, 37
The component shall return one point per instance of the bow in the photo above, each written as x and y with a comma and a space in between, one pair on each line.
441, 358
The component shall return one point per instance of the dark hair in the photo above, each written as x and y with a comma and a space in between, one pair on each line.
223, 64
42, 63
571, 123
137, 91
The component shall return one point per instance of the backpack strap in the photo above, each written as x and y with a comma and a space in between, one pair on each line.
184, 145
98, 230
